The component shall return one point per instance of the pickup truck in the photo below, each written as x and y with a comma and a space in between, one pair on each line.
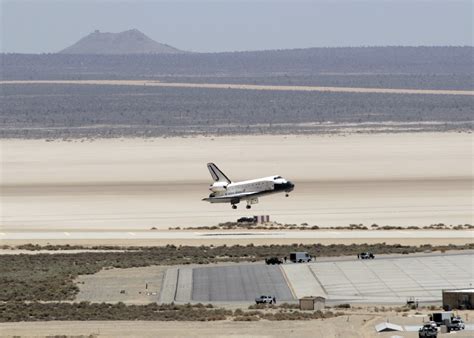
273, 261
428, 330
456, 324
366, 255
264, 300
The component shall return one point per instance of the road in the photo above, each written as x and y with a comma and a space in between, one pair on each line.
246, 87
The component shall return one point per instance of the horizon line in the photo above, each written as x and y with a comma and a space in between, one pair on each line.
182, 51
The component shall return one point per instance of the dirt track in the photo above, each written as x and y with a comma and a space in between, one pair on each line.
360, 323
247, 87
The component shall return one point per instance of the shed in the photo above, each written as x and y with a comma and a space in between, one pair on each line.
385, 327
312, 303
262, 219
458, 299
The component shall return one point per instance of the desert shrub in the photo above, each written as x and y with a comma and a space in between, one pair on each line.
246, 319
261, 306
296, 315
34, 311
288, 306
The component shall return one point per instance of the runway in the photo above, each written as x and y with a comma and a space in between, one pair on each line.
223, 235
132, 184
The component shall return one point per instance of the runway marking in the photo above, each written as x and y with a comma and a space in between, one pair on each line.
288, 282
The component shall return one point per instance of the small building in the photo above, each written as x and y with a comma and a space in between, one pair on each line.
312, 303
262, 219
458, 299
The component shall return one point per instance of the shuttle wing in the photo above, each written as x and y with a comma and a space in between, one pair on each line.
239, 195
230, 198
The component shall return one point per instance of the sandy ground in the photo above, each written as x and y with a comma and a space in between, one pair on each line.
326, 328
247, 87
360, 323
135, 184
244, 236
141, 285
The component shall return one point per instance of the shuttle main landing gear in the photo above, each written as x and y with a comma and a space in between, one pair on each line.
234, 206
287, 195
250, 202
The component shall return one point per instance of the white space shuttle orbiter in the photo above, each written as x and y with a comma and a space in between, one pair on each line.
226, 191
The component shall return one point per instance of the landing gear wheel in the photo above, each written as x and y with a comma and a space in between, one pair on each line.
287, 195
248, 206
234, 206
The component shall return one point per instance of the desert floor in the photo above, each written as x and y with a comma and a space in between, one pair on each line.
335, 327
135, 184
358, 323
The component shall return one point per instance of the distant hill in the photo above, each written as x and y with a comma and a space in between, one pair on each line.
128, 42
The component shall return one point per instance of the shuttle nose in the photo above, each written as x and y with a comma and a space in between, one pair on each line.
287, 186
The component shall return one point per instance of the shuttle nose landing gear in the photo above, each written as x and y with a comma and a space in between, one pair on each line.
248, 206
234, 206
287, 195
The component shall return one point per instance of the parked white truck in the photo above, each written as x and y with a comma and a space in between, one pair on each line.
300, 257
448, 319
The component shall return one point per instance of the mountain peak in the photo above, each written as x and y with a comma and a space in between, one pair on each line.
131, 41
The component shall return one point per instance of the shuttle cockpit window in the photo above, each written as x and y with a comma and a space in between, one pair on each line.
277, 177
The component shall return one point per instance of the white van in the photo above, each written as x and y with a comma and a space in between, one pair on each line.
300, 257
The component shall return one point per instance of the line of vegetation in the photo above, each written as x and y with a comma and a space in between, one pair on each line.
53, 111
281, 314
391, 66
22, 311
50, 277
36, 311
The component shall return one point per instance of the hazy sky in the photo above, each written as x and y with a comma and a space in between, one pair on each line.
38, 26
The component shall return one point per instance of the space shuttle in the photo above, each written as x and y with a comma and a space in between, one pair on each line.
223, 190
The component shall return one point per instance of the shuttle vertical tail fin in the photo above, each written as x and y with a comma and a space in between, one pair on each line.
217, 174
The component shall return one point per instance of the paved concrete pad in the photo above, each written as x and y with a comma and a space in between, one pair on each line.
168, 288
303, 280
393, 280
241, 282
184, 287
